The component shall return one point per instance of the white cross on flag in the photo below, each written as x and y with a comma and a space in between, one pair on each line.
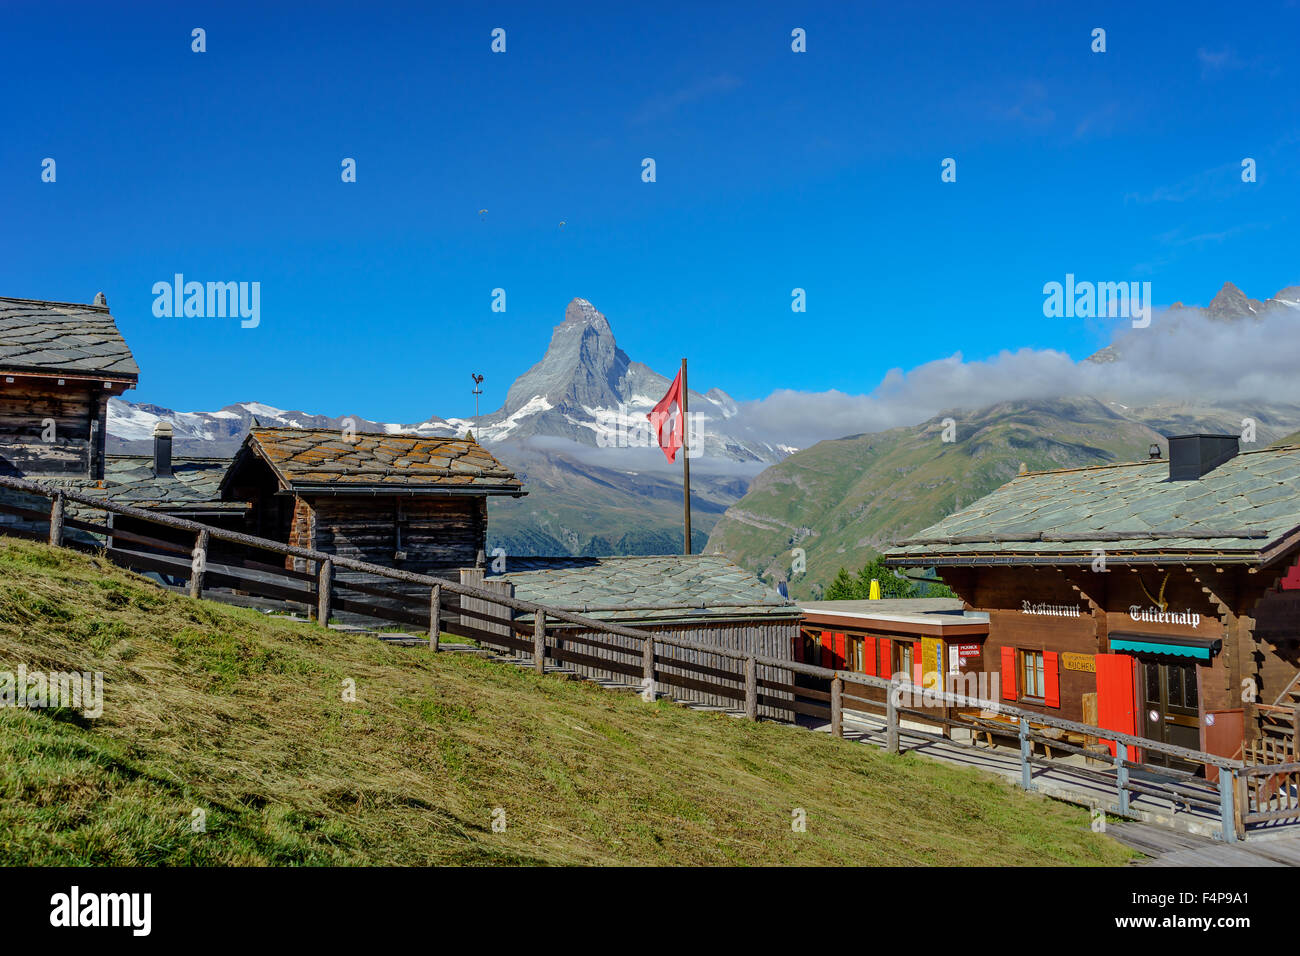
667, 421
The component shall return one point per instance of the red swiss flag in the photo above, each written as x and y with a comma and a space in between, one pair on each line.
667, 420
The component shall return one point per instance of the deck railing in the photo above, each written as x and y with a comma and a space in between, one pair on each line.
439, 605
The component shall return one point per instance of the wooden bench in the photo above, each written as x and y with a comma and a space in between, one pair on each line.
992, 724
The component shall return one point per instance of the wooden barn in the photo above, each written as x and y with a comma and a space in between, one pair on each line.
59, 364
703, 599
401, 501
1159, 598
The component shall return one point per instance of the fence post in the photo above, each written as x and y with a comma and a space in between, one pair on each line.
891, 720
198, 564
751, 688
1241, 802
539, 642
1227, 813
837, 706
435, 616
648, 666
1025, 749
56, 520
1121, 776
324, 587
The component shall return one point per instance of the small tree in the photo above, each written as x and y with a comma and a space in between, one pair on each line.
851, 587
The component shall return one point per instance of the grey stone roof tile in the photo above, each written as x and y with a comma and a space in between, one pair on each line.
1257, 491
62, 337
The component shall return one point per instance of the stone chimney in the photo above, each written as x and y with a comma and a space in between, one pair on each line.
162, 450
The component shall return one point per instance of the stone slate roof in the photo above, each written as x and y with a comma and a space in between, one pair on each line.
315, 458
194, 485
1247, 509
78, 340
646, 588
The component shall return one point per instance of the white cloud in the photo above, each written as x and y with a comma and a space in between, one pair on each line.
1182, 355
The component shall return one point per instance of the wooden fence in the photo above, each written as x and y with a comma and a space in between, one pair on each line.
224, 559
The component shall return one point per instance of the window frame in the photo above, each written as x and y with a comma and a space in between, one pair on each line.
1023, 655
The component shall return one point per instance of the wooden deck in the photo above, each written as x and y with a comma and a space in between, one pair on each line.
1164, 847
1064, 779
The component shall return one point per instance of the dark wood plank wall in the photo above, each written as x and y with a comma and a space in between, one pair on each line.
1277, 629
436, 534
24, 407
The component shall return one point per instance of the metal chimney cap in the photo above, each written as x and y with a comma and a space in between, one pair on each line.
1194, 456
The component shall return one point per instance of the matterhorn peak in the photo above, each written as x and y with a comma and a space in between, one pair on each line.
582, 313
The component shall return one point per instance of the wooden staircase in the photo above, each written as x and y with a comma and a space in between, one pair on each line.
1279, 727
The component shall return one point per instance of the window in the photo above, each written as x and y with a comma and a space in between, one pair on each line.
1032, 682
905, 659
854, 660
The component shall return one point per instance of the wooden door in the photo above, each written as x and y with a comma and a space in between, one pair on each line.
1171, 711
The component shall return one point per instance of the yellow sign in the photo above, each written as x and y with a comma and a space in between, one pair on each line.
931, 656
1079, 662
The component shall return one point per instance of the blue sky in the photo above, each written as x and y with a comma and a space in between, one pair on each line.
775, 170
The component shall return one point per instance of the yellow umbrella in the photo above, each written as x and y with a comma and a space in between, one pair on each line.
875, 590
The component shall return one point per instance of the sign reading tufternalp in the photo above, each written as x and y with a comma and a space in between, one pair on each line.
1051, 610
1153, 615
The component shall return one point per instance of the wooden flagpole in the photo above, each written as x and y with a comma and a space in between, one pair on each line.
686, 464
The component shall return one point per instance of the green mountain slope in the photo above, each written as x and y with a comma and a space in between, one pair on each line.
844, 500
242, 717
576, 507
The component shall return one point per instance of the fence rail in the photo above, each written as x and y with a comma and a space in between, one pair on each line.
220, 558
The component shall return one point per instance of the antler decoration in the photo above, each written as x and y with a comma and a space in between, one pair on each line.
1160, 601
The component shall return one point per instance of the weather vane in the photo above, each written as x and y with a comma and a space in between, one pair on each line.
476, 392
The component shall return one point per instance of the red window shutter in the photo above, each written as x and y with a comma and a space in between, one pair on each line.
1008, 673
826, 649
839, 651
868, 656
886, 665
1051, 680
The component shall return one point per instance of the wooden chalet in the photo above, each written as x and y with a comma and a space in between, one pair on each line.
401, 501
59, 364
1159, 598
702, 599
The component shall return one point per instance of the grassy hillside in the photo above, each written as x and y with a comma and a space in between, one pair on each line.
241, 716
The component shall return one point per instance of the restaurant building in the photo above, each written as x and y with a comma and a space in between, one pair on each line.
1159, 598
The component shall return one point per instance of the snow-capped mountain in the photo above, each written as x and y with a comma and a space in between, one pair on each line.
574, 426
585, 389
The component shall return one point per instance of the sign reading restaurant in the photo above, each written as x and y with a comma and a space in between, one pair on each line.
1053, 610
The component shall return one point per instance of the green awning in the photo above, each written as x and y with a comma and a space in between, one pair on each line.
1197, 648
